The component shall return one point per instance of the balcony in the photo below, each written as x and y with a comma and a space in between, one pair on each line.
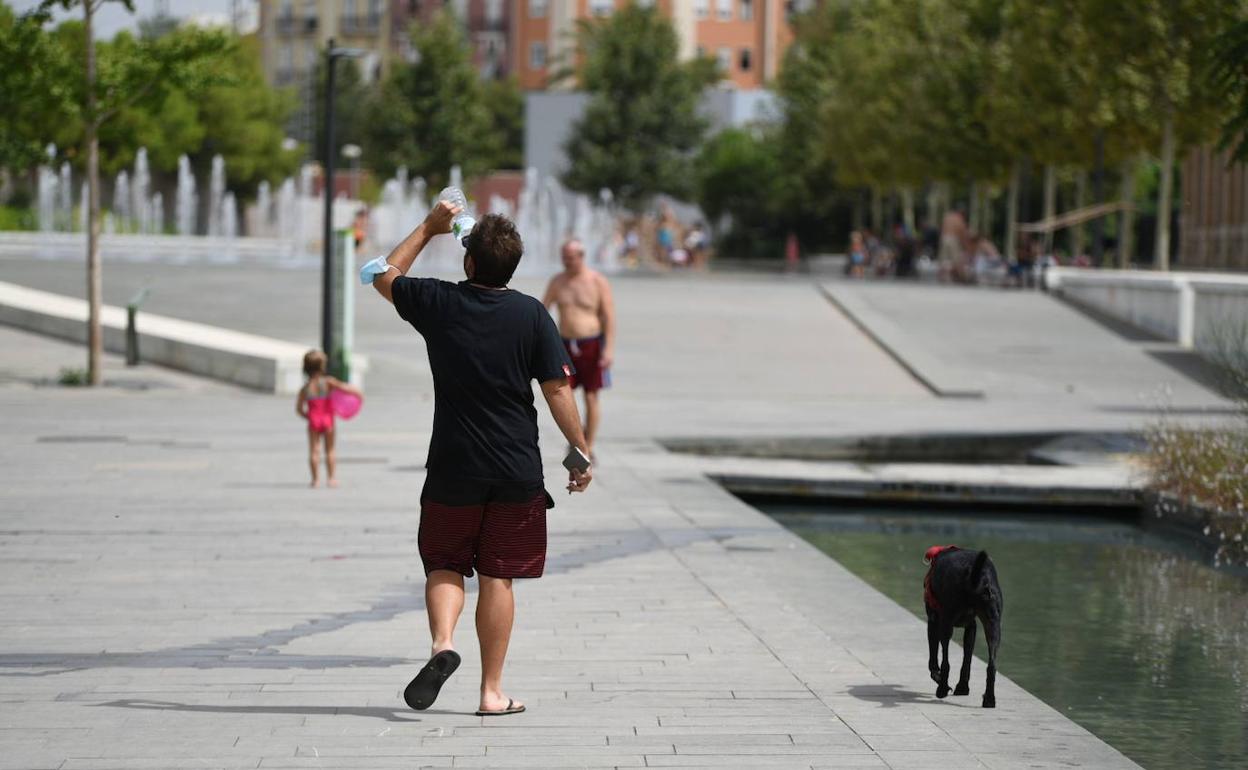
360, 25
293, 25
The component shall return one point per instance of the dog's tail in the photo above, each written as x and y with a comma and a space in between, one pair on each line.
977, 571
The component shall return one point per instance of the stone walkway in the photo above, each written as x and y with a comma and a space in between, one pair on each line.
172, 596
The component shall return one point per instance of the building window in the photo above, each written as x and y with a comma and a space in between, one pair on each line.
746, 60
493, 12
723, 10
701, 8
601, 7
537, 56
747, 10
723, 59
286, 59
537, 9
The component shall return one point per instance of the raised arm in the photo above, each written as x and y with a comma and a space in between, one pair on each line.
438, 221
548, 298
606, 316
337, 384
562, 405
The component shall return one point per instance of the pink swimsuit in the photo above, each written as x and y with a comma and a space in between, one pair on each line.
320, 413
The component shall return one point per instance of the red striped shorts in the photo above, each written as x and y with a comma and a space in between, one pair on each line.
500, 529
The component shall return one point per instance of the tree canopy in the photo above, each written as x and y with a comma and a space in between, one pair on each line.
432, 113
174, 90
641, 125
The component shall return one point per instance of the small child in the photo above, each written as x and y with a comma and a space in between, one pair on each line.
317, 408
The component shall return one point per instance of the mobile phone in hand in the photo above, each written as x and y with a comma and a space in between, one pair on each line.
576, 460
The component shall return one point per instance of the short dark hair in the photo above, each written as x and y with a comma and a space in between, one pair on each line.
314, 362
495, 248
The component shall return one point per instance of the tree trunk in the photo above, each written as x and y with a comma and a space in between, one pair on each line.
1076, 232
933, 206
877, 211
1050, 203
986, 216
1162, 258
1126, 227
1011, 214
972, 210
907, 209
95, 337
1098, 196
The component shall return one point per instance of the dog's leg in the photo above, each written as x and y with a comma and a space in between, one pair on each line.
942, 686
968, 648
933, 666
992, 632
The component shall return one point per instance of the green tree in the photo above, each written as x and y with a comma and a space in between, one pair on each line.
641, 124
431, 114
133, 72
35, 91
506, 103
352, 101
737, 175
1230, 78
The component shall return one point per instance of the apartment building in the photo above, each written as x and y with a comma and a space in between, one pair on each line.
746, 37
295, 33
487, 24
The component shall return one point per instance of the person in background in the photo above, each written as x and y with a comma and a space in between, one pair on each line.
857, 255
587, 325
314, 405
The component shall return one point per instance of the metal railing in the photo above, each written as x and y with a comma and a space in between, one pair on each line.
360, 25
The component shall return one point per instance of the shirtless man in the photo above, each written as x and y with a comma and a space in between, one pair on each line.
587, 325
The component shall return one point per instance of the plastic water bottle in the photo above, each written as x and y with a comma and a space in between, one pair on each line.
463, 223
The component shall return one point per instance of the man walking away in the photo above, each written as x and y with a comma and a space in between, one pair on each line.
484, 503
587, 324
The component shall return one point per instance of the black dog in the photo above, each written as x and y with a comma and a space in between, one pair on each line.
961, 586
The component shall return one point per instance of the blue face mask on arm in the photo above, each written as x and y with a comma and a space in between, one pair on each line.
373, 268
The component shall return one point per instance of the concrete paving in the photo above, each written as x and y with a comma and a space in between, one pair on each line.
173, 596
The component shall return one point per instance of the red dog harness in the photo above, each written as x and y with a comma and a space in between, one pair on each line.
929, 558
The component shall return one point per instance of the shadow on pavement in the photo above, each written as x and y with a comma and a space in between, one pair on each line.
388, 714
888, 695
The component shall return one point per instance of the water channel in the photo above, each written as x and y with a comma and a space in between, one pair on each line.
1132, 635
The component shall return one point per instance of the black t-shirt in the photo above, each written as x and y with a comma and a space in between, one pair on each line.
486, 346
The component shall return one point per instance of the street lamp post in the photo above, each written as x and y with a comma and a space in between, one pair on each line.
332, 54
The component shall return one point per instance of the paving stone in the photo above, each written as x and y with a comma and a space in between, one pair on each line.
171, 594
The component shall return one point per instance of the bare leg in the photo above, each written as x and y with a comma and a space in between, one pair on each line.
314, 456
331, 457
496, 609
444, 601
968, 648
592, 417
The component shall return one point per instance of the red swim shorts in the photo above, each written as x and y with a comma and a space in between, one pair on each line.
585, 354
500, 529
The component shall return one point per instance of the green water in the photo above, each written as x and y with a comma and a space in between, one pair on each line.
1130, 635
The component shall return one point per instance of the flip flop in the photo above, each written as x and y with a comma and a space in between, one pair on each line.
422, 691
511, 709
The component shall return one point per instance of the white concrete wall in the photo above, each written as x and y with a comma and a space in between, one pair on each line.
1220, 312
244, 359
549, 115
1193, 309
